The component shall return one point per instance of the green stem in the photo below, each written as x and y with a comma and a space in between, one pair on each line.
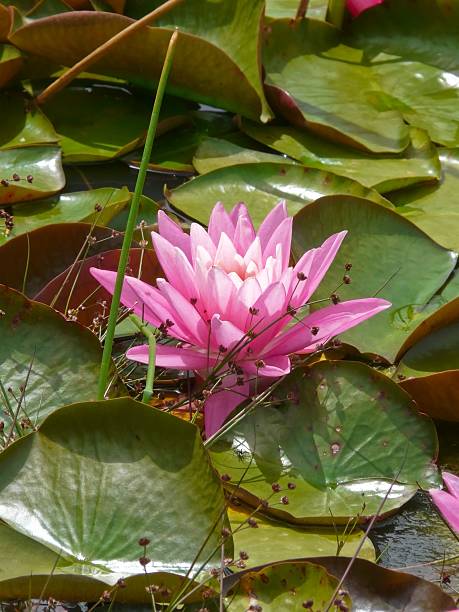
151, 337
130, 225
336, 10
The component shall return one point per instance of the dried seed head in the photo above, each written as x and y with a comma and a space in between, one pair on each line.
252, 522
4, 183
144, 542
243, 555
347, 266
346, 279
284, 500
314, 330
225, 477
29, 178
301, 276
291, 486
254, 311
144, 561
335, 298
226, 532
276, 487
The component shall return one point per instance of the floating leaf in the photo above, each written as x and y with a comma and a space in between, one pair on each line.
372, 587
429, 366
10, 63
100, 122
29, 261
285, 586
76, 290
291, 542
26, 125
261, 186
224, 32
43, 164
317, 9
68, 207
55, 360
345, 106
116, 459
419, 162
385, 251
341, 432
416, 30
215, 153
433, 208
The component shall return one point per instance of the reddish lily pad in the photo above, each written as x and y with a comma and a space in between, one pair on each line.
225, 32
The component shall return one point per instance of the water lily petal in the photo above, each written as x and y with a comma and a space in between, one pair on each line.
174, 233
199, 237
355, 7
330, 321
176, 357
272, 221
276, 366
176, 266
222, 402
219, 222
244, 233
282, 235
224, 334
448, 506
452, 483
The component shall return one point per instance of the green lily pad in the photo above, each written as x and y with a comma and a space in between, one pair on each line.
215, 153
43, 164
100, 122
288, 586
63, 358
29, 261
10, 64
419, 162
433, 208
113, 458
224, 32
26, 125
261, 186
429, 365
345, 106
291, 542
317, 9
416, 30
385, 251
372, 587
341, 432
174, 151
68, 207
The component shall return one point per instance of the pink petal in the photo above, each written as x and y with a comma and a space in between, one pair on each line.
271, 306
184, 313
199, 237
249, 293
240, 209
331, 321
244, 234
254, 254
355, 7
226, 256
179, 358
323, 258
448, 506
176, 266
222, 402
221, 292
282, 235
276, 366
452, 483
219, 222
143, 299
272, 221
174, 233
224, 333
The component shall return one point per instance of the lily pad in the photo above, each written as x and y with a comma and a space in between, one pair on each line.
291, 542
385, 250
372, 587
288, 586
419, 162
26, 125
215, 153
54, 360
42, 164
115, 459
345, 105
416, 30
29, 261
343, 434
68, 207
433, 208
317, 9
101, 122
429, 366
261, 186
10, 64
224, 32
75, 292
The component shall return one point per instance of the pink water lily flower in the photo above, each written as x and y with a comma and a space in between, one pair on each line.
356, 7
232, 297
448, 501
